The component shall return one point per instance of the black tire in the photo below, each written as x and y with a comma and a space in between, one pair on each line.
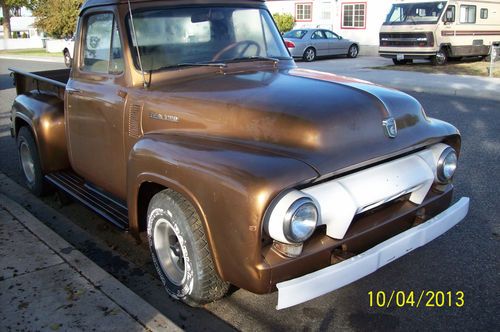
309, 54
440, 58
353, 51
173, 223
67, 58
31, 166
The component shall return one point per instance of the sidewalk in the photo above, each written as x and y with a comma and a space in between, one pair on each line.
33, 58
452, 85
46, 284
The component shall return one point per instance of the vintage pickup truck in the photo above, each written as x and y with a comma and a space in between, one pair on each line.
189, 120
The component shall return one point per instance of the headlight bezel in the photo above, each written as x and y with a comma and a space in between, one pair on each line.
441, 164
292, 211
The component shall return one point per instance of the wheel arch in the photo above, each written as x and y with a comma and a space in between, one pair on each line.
146, 186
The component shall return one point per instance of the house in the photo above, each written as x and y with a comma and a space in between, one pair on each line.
352, 19
21, 24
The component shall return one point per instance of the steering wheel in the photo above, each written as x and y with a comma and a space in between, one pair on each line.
247, 43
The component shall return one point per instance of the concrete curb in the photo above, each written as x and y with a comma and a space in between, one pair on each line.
131, 303
33, 58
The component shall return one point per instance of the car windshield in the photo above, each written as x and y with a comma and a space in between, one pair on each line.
169, 38
297, 34
415, 13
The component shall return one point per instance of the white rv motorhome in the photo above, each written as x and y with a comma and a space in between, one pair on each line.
439, 30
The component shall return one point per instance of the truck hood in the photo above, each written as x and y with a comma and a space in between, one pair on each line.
330, 122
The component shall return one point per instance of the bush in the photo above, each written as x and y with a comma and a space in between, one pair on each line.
285, 22
25, 35
1, 20
14, 35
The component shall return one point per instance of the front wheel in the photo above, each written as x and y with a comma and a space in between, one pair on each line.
30, 162
353, 51
440, 58
309, 54
180, 250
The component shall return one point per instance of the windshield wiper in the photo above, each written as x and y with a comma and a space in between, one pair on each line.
253, 58
195, 64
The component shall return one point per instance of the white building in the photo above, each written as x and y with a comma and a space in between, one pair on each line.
356, 20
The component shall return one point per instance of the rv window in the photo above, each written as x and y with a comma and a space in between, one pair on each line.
467, 14
484, 13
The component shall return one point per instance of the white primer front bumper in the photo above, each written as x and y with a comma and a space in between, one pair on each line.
310, 286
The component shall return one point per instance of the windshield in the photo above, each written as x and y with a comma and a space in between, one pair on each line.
415, 13
192, 36
297, 34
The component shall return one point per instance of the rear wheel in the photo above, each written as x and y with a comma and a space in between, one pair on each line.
30, 162
180, 250
353, 51
309, 54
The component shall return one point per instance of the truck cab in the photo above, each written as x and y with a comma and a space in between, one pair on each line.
191, 123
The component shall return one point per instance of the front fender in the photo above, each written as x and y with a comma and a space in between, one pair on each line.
44, 114
229, 184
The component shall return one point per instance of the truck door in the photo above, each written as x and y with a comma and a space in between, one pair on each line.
95, 106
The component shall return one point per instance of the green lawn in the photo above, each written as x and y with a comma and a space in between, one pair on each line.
31, 52
465, 67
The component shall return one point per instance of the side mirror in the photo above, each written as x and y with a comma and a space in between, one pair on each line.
340, 37
449, 15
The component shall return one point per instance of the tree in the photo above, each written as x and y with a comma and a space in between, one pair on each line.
285, 22
57, 17
7, 6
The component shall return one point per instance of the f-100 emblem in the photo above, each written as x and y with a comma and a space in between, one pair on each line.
163, 117
390, 127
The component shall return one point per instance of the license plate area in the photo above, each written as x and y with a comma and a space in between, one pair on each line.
400, 57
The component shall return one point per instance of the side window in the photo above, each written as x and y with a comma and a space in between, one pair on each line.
330, 35
317, 35
102, 52
467, 14
484, 13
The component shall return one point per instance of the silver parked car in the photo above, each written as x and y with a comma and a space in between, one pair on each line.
310, 43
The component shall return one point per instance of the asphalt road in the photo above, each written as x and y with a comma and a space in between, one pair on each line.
464, 259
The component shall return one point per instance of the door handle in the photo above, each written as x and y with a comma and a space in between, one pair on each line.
72, 91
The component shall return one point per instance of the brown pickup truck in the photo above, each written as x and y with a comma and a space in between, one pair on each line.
191, 122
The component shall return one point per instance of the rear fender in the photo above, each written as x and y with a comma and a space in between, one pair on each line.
44, 114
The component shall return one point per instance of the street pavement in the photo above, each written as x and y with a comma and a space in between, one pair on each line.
465, 259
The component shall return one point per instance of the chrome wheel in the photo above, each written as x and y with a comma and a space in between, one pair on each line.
169, 250
27, 162
310, 54
353, 51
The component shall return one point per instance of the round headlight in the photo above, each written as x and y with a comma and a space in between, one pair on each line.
447, 164
300, 220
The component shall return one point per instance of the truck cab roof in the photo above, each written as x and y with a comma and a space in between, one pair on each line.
95, 3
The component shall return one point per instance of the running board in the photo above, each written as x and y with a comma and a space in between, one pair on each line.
93, 198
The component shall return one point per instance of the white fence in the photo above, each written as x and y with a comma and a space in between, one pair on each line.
494, 59
20, 43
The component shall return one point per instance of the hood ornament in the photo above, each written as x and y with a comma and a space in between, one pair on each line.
390, 127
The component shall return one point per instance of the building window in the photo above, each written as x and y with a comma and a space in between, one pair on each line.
326, 10
484, 13
467, 14
354, 15
303, 12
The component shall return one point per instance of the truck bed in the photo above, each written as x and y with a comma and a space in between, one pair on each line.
50, 81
